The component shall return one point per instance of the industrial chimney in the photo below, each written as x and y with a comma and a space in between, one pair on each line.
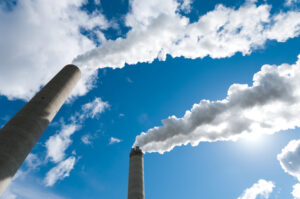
22, 132
136, 174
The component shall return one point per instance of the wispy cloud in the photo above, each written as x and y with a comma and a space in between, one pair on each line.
121, 115
94, 108
271, 104
33, 161
56, 151
22, 187
61, 171
262, 188
114, 140
291, 2
58, 143
97, 2
23, 190
129, 80
87, 139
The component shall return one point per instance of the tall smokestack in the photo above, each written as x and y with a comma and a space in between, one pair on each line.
136, 174
22, 132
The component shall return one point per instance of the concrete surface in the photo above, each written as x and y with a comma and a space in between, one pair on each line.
22, 132
136, 188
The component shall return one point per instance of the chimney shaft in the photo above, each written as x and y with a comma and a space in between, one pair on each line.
22, 132
136, 175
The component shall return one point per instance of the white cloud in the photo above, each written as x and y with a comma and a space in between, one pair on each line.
33, 161
186, 6
94, 108
38, 39
24, 186
87, 139
57, 144
114, 140
97, 2
129, 80
121, 115
286, 25
158, 29
270, 105
143, 12
291, 2
61, 171
296, 191
23, 190
289, 159
262, 188
8, 195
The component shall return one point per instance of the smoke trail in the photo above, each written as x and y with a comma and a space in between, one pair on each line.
158, 29
271, 104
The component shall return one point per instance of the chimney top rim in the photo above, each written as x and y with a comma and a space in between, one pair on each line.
136, 151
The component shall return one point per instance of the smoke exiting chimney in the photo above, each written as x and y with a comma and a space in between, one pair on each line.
22, 132
136, 174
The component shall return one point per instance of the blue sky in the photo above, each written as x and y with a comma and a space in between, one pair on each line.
143, 61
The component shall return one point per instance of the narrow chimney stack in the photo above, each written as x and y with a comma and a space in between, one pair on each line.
22, 132
136, 174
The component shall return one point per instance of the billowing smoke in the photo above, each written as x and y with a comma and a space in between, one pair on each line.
158, 29
33, 46
271, 104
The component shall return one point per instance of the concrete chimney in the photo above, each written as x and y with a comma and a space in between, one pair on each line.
22, 132
136, 174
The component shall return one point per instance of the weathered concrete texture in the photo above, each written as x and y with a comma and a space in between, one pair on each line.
136, 175
22, 132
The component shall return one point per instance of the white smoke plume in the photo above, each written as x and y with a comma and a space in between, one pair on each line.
158, 29
33, 46
271, 104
